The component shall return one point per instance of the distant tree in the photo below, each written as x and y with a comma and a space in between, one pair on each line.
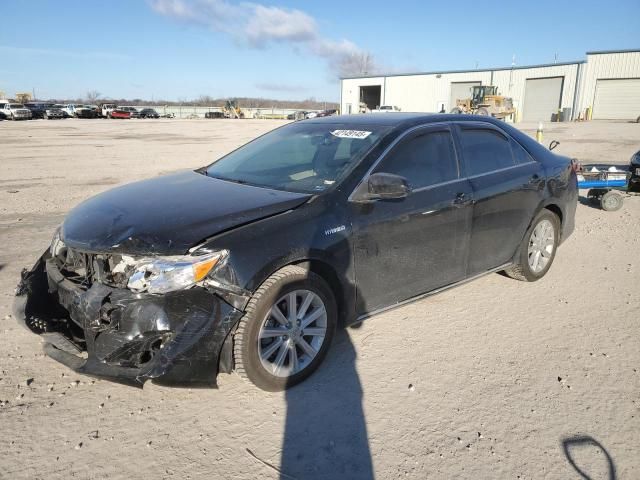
357, 63
93, 96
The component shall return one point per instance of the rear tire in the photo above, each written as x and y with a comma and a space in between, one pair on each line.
275, 361
611, 201
538, 248
483, 112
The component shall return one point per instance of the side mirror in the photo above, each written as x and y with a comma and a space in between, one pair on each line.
387, 185
553, 144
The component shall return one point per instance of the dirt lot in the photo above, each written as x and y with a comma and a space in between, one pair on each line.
496, 379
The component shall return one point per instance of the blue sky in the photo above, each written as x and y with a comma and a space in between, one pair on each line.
181, 49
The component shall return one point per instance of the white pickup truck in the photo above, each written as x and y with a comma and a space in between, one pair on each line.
14, 111
107, 108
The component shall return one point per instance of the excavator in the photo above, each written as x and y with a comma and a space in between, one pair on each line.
485, 101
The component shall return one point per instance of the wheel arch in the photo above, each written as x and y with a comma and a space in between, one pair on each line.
329, 274
322, 268
554, 208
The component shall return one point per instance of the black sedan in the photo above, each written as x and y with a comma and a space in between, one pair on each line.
634, 168
37, 109
250, 264
148, 113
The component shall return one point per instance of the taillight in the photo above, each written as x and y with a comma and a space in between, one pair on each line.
575, 165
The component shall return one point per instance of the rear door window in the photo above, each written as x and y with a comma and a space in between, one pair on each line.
485, 150
424, 159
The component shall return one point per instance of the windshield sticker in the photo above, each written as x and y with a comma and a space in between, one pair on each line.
350, 133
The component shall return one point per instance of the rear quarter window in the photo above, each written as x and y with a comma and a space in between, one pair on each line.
520, 155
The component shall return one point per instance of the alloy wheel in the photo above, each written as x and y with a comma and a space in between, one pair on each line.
541, 246
292, 333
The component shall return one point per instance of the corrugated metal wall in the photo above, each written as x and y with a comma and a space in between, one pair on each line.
607, 66
426, 92
512, 83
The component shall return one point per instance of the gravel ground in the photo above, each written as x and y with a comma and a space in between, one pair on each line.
495, 379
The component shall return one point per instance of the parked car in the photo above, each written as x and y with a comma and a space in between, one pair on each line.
79, 110
148, 113
37, 109
106, 109
133, 112
14, 111
252, 262
123, 112
299, 115
63, 109
386, 109
634, 167
327, 113
53, 111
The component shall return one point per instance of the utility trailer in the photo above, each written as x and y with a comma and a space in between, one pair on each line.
605, 187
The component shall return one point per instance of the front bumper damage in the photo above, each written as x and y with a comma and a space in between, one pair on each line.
179, 339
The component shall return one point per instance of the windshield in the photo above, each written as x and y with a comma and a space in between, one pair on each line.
16, 105
300, 157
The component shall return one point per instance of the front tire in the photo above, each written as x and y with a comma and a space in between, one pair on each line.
538, 248
286, 331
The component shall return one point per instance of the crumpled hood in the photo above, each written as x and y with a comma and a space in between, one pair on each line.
168, 215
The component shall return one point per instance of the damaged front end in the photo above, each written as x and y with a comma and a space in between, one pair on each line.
165, 319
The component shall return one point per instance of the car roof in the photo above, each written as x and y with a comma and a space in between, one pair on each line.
400, 119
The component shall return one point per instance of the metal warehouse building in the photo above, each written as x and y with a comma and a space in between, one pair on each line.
607, 83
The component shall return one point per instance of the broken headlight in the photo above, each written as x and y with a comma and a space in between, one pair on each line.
57, 245
167, 274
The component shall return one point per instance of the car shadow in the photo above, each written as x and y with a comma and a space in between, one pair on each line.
571, 445
588, 203
325, 433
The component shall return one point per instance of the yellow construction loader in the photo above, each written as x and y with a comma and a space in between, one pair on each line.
23, 97
485, 101
232, 110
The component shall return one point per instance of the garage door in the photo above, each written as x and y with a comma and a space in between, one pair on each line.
460, 90
541, 98
617, 99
